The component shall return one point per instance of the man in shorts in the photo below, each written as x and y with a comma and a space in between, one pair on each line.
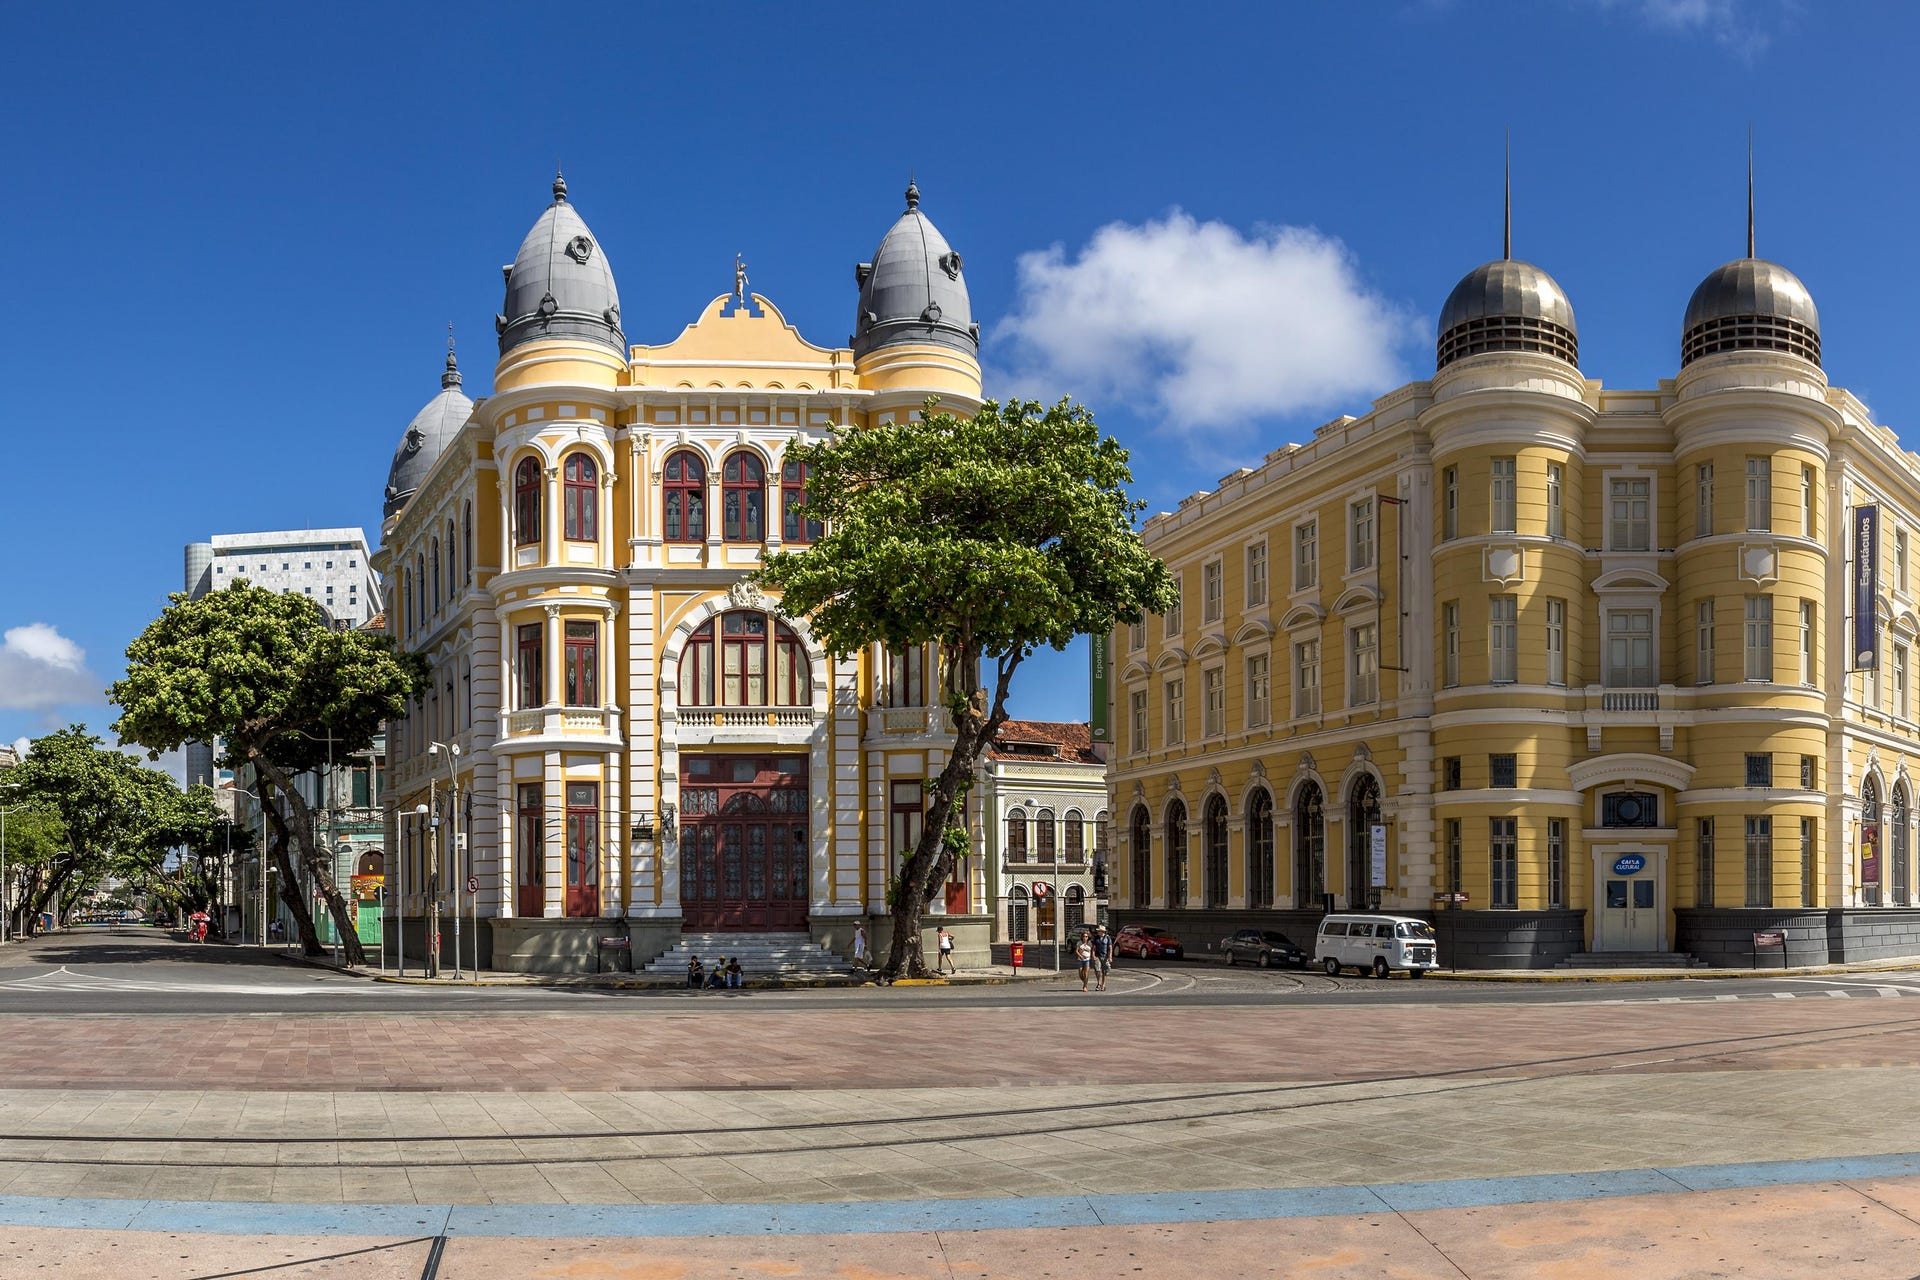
1102, 956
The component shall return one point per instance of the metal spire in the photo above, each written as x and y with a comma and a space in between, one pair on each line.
1750, 252
1506, 244
451, 378
913, 191
559, 185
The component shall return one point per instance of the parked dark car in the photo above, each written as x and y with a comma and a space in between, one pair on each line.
1265, 948
1147, 943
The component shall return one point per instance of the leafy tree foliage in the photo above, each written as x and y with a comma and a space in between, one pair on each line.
987, 536
263, 671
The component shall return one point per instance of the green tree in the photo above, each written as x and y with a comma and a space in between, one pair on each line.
265, 672
987, 536
34, 839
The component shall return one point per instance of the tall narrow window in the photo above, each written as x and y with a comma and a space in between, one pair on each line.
1449, 644
1256, 574
1137, 709
433, 573
1900, 559
1759, 862
1454, 869
1045, 837
1501, 499
1360, 535
1259, 691
1306, 555
906, 676
1630, 514
466, 543
683, 486
583, 664
583, 848
1503, 625
1214, 867
1173, 615
1900, 681
1630, 657
1759, 638
1212, 590
1703, 642
743, 497
1140, 856
1503, 863
1556, 519
1503, 770
1703, 499
1363, 663
1703, 863
1213, 702
526, 503
530, 857
1556, 642
1177, 854
1449, 504
1306, 678
1260, 850
795, 525
1176, 723
1806, 643
530, 666
1900, 875
1073, 836
1556, 863
580, 490
1808, 502
1759, 495
1016, 835
1809, 851
1136, 636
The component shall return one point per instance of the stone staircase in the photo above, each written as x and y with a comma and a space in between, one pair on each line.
762, 955
1632, 960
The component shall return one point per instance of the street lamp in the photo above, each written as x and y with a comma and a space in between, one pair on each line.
453, 806
431, 942
6, 916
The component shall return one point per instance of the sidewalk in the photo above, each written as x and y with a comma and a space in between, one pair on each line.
985, 975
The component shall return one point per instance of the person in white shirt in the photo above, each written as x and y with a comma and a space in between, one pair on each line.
860, 955
945, 963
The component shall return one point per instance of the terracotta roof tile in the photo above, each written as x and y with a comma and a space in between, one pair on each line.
1066, 742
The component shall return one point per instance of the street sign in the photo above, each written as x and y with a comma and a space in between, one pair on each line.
1041, 888
1769, 940
1449, 897
473, 884
1628, 863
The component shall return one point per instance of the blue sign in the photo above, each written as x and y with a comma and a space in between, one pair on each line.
1866, 581
1628, 863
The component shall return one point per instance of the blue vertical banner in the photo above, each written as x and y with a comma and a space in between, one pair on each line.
1866, 578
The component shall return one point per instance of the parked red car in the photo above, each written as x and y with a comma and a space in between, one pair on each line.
1147, 943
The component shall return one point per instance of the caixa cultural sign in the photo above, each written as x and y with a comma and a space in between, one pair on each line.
1866, 576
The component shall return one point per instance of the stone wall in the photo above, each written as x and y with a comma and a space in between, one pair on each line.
1468, 939
1834, 935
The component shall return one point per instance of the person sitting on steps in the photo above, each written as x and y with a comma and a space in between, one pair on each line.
695, 974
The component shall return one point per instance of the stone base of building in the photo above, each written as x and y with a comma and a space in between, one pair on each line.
406, 940
1723, 936
1468, 939
972, 938
535, 944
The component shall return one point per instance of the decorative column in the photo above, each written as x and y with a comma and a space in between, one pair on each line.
550, 516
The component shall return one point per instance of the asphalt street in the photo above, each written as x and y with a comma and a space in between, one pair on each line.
134, 970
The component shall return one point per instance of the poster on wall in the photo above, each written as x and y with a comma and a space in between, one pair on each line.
1377, 847
1866, 578
1869, 855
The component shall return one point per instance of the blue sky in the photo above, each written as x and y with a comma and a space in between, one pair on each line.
237, 234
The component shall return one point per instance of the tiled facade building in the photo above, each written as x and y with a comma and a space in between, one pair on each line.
1568, 668
1045, 835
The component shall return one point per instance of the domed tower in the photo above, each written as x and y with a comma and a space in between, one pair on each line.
914, 331
1507, 305
426, 438
561, 321
1750, 304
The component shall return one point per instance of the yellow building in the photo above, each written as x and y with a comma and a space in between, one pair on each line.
1570, 669
647, 748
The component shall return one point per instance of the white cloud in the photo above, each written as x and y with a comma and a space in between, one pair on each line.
40, 669
1743, 27
1209, 326
21, 746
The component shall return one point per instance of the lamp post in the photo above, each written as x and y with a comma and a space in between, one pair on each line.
459, 868
6, 914
431, 963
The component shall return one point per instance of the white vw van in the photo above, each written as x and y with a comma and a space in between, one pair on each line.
1376, 944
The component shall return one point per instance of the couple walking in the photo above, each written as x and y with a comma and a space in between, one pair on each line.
944, 964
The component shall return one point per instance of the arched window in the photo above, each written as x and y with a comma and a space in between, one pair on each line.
1902, 863
683, 484
1309, 848
746, 660
1260, 849
580, 490
1017, 914
1214, 834
1140, 856
1016, 835
794, 526
1871, 843
743, 498
453, 565
436, 573
526, 503
1177, 854
1043, 836
466, 544
420, 587
1076, 912
1076, 837
1363, 814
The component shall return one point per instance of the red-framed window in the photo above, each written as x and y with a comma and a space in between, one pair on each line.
794, 526
743, 498
683, 484
748, 660
530, 857
530, 667
583, 848
583, 664
580, 492
526, 503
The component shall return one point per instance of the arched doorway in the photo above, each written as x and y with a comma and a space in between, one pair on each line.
1363, 814
1870, 842
1140, 856
1017, 914
1902, 862
1260, 849
1177, 854
1309, 847
745, 857
1214, 835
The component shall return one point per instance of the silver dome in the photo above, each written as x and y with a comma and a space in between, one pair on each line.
1747, 305
560, 284
913, 290
1507, 305
426, 438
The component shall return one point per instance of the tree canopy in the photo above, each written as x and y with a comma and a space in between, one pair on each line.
988, 536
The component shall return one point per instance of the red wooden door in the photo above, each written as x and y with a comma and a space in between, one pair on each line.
583, 849
744, 852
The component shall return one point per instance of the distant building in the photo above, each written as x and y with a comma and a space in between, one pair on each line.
1043, 788
8, 757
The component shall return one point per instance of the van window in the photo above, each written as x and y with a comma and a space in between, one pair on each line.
1415, 929
1383, 931
1334, 929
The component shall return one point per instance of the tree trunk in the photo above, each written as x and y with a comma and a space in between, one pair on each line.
289, 890
320, 868
926, 871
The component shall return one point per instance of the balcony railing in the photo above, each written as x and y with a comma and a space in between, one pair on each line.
533, 721
1630, 700
749, 717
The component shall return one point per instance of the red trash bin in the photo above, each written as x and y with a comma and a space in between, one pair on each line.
1017, 953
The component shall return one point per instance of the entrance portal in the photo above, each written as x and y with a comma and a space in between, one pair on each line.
1627, 889
745, 855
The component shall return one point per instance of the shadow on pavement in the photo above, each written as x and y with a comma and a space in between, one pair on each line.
134, 945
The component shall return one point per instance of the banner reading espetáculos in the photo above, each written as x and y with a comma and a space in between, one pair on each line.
1866, 577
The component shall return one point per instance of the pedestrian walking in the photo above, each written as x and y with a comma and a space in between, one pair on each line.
197, 925
1083, 956
1102, 957
945, 962
860, 956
